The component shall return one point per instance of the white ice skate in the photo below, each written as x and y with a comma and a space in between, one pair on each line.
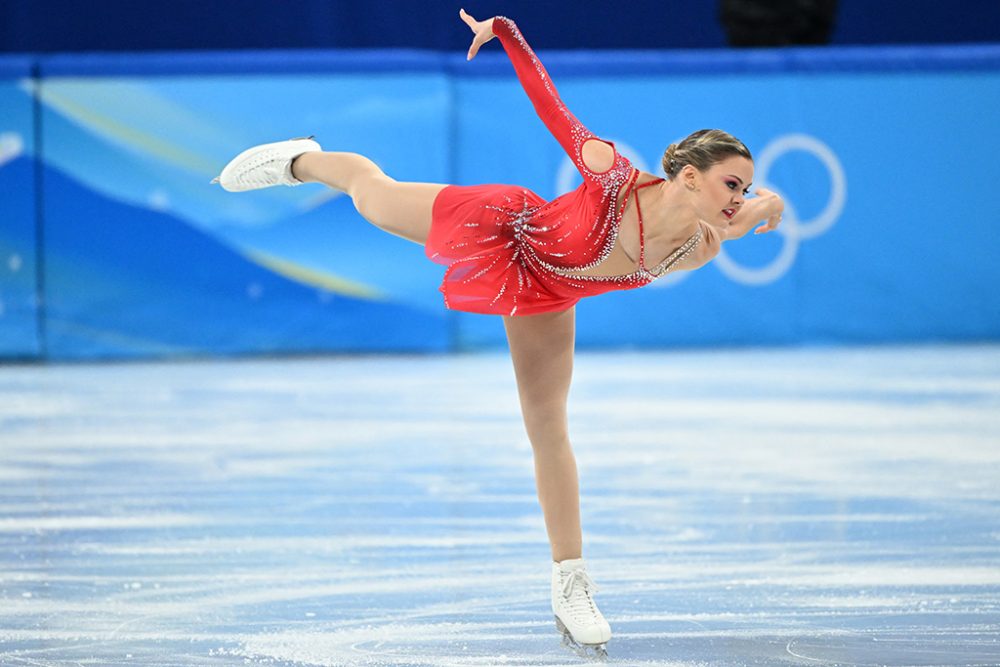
577, 616
265, 165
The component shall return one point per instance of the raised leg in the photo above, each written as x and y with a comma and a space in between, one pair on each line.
541, 347
400, 208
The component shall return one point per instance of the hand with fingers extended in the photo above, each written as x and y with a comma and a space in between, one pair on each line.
766, 205
483, 31
772, 207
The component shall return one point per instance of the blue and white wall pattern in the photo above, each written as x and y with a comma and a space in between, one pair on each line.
879, 153
19, 289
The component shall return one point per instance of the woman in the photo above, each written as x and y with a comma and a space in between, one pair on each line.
511, 253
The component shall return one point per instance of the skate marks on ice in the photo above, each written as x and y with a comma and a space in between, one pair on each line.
530, 644
741, 508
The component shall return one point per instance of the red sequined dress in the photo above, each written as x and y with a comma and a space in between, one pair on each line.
510, 252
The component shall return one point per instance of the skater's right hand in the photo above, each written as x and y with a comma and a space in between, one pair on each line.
483, 31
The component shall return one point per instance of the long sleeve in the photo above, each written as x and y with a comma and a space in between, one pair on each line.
561, 123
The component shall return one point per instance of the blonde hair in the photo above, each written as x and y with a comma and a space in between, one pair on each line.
701, 150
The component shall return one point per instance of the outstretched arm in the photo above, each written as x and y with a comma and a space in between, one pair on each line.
564, 126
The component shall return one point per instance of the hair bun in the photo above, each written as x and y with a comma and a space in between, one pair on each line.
669, 163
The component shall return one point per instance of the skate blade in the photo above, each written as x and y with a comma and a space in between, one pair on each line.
590, 652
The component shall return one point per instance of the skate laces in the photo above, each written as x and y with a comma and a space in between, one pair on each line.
267, 169
577, 588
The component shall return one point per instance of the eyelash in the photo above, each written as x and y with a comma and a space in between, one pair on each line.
732, 186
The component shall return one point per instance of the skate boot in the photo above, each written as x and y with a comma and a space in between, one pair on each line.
579, 620
265, 165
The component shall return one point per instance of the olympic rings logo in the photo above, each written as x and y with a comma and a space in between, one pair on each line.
793, 229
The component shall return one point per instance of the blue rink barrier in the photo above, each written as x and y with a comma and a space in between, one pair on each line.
885, 157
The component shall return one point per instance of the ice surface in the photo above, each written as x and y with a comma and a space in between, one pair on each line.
780, 507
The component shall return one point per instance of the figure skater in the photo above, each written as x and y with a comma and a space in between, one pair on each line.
511, 253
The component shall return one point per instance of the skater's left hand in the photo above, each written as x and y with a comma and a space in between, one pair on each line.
483, 31
765, 206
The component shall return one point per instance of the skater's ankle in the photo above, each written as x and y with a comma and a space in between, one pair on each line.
298, 174
305, 167
566, 556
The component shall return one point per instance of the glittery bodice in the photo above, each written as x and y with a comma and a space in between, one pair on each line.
511, 252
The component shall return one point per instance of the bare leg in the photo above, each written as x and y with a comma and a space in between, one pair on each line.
403, 209
541, 347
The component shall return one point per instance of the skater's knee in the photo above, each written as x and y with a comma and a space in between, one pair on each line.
369, 191
546, 428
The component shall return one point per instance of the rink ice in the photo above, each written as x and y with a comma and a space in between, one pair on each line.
770, 507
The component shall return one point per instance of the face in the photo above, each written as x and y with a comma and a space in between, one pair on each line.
722, 189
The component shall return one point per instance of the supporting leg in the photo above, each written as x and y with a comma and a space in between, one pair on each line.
541, 348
